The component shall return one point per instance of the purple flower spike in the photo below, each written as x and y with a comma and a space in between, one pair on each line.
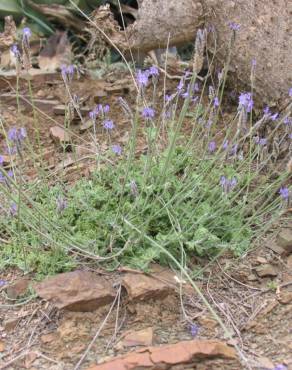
108, 124
17, 135
26, 32
67, 72
148, 113
196, 87
274, 116
2, 283
153, 71
245, 102
260, 141
212, 146
1, 160
180, 86
15, 51
216, 101
234, 26
13, 209
290, 92
225, 144
280, 367
227, 185
284, 193
194, 329
117, 149
142, 78
106, 108
61, 204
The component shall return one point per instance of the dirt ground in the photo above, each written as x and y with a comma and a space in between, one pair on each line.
252, 295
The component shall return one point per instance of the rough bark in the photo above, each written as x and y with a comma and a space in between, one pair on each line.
265, 35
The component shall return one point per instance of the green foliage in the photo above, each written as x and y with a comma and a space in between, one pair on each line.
187, 211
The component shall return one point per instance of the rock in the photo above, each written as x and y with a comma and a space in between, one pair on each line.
60, 110
141, 287
265, 363
98, 95
59, 135
275, 247
284, 240
76, 291
167, 356
266, 270
49, 338
261, 260
285, 297
11, 324
289, 262
207, 322
18, 289
137, 338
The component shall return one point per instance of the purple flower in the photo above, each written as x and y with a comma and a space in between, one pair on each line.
148, 112
117, 149
106, 108
196, 87
233, 150
260, 141
26, 33
1, 160
287, 121
134, 188
290, 92
274, 116
253, 62
13, 209
216, 102
168, 98
153, 71
225, 144
284, 193
228, 185
142, 78
212, 146
93, 114
61, 204
108, 124
3, 179
245, 102
280, 367
180, 86
267, 110
67, 72
234, 26
15, 51
194, 329
17, 135
2, 283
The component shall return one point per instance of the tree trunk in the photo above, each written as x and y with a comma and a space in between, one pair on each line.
265, 35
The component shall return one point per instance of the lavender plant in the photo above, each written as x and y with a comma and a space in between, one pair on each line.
199, 193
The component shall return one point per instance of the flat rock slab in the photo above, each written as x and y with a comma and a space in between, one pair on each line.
284, 240
59, 135
164, 357
18, 288
76, 291
141, 287
137, 338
